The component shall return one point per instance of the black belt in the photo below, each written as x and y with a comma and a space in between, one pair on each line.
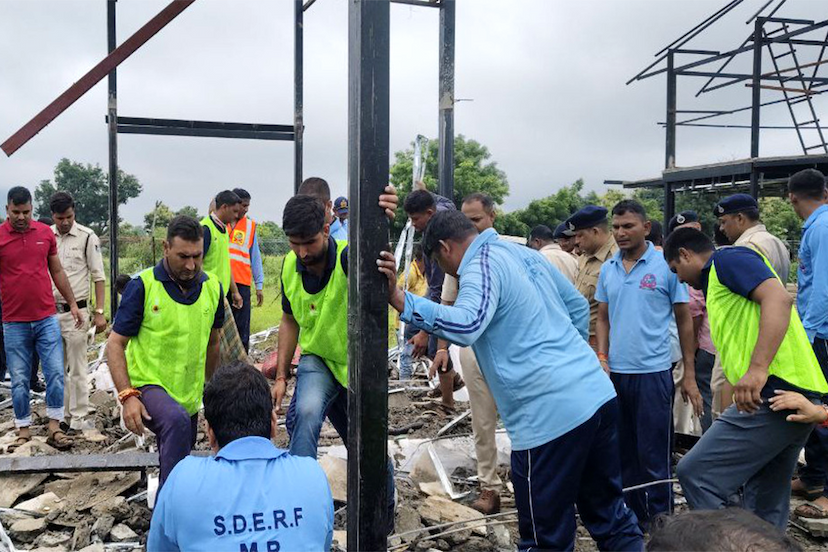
63, 308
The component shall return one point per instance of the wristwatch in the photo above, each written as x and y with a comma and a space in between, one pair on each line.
99, 311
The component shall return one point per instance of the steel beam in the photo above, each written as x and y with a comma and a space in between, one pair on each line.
205, 133
420, 3
368, 129
112, 132
445, 161
756, 104
91, 78
298, 89
670, 138
209, 125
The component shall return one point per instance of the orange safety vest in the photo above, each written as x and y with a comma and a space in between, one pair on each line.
241, 240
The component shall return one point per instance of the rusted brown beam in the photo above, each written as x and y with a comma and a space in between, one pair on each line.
783, 89
90, 79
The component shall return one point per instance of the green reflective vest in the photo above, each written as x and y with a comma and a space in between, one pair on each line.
734, 329
170, 349
323, 316
217, 259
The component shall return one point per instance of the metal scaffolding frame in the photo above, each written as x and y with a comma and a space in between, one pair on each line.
369, 119
780, 38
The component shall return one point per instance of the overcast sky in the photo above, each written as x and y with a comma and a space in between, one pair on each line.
547, 78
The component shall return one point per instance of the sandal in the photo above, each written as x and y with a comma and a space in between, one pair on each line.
19, 442
811, 511
59, 440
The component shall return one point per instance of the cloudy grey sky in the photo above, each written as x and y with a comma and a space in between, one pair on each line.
547, 78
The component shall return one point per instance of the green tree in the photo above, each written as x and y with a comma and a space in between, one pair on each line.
161, 214
550, 211
272, 239
189, 210
89, 187
780, 218
474, 171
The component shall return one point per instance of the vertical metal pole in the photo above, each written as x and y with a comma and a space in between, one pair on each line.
756, 104
670, 140
298, 92
445, 166
368, 134
112, 122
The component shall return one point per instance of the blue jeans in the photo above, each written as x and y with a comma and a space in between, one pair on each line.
754, 452
406, 360
704, 373
22, 340
318, 394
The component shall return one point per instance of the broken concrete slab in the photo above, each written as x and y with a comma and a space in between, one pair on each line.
101, 398
27, 530
95, 547
102, 526
337, 471
43, 504
816, 527
122, 533
53, 539
440, 510
341, 538
36, 447
94, 436
407, 519
433, 488
82, 537
13, 487
90, 489
116, 507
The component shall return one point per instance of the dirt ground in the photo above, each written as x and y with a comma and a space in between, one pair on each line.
108, 510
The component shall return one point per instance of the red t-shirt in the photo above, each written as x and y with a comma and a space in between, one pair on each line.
25, 283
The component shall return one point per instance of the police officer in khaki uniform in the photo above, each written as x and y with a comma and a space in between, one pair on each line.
79, 251
594, 240
739, 220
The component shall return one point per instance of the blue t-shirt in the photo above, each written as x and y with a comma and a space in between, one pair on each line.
739, 269
338, 230
640, 311
250, 496
528, 327
812, 296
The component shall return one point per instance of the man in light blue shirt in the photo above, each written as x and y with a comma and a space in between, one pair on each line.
527, 325
339, 226
250, 496
637, 298
809, 199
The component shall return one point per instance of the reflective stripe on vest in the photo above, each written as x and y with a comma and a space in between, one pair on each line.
734, 329
170, 349
241, 240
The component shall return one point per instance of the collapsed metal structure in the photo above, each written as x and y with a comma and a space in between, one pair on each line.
369, 92
786, 43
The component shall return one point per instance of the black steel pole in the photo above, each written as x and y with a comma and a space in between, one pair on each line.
670, 139
298, 91
445, 161
368, 133
756, 105
112, 123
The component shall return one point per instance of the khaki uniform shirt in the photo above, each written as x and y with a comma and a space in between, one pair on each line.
560, 259
758, 238
79, 252
589, 268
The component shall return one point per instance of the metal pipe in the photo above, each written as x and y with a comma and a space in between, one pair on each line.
755, 114
445, 162
298, 91
112, 129
670, 139
368, 144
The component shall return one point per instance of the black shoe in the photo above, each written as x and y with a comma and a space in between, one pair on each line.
64, 427
38, 387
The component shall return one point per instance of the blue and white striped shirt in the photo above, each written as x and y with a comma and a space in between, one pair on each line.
528, 326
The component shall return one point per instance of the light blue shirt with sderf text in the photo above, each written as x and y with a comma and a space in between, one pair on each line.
528, 326
251, 496
640, 307
812, 275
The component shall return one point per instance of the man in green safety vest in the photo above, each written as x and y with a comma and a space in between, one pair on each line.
763, 349
217, 243
315, 315
165, 343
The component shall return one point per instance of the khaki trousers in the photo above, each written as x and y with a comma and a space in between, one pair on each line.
717, 381
484, 421
76, 382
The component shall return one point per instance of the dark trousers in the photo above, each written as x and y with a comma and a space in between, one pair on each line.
175, 430
704, 373
579, 468
242, 316
645, 429
816, 449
